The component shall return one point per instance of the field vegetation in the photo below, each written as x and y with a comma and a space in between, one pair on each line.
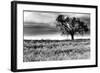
51, 50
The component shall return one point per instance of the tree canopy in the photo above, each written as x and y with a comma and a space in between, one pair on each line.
71, 25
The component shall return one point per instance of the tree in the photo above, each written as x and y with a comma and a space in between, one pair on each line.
71, 26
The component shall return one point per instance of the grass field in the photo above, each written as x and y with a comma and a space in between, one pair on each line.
50, 50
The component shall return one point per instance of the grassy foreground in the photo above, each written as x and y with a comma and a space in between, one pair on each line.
50, 50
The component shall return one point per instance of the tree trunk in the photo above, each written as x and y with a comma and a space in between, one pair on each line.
72, 36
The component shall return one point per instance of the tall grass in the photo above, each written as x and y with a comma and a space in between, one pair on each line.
50, 50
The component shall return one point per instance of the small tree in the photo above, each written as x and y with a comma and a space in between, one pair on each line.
71, 26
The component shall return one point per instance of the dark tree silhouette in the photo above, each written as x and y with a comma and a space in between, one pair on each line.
71, 26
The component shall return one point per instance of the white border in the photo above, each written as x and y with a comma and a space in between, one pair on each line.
29, 65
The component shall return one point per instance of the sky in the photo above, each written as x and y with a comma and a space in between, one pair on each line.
43, 24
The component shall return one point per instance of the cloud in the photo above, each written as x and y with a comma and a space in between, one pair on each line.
39, 30
42, 23
38, 17
49, 17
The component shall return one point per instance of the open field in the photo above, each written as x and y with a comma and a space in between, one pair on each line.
50, 50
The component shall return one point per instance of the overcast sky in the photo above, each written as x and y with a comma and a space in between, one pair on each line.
48, 17
44, 23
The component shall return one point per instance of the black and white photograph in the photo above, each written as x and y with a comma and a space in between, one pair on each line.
56, 36
48, 36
